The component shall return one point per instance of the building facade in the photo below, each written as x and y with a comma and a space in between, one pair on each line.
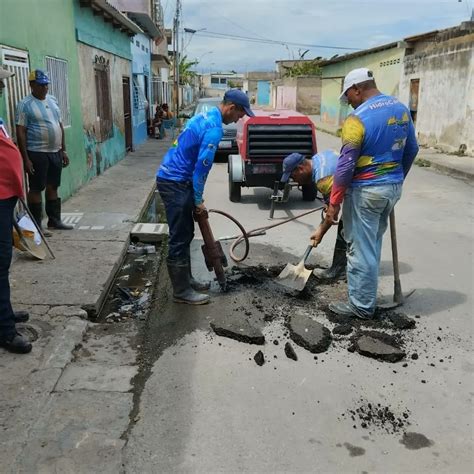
105, 69
26, 44
385, 61
437, 82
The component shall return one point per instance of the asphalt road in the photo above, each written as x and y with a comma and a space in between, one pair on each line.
206, 406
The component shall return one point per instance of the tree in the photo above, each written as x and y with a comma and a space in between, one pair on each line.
306, 68
185, 74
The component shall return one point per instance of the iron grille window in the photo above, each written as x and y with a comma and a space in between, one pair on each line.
214, 80
139, 99
59, 86
104, 107
17, 86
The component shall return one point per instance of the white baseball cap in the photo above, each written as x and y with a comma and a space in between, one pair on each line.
4, 73
356, 76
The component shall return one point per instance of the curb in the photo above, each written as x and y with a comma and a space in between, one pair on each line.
447, 170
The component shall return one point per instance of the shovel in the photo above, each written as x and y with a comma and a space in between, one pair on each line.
398, 297
294, 277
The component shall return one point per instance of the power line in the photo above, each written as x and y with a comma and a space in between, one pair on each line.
213, 34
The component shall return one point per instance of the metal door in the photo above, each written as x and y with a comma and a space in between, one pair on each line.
263, 92
127, 112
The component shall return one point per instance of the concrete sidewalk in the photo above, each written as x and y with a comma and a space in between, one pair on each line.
452, 165
65, 406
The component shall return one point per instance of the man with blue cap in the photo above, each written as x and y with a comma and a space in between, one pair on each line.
180, 181
40, 135
319, 170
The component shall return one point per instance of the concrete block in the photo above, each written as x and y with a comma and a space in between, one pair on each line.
149, 233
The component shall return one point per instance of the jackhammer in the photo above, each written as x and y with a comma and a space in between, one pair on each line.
212, 250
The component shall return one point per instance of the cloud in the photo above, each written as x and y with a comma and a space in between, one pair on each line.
346, 23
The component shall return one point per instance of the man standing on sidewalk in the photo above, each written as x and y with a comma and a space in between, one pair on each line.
180, 181
378, 149
11, 187
40, 137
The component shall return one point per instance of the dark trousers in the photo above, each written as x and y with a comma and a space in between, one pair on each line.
7, 323
178, 199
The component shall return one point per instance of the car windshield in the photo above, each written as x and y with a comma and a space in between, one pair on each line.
205, 107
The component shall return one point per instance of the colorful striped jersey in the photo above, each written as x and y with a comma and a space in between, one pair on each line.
378, 146
42, 119
192, 154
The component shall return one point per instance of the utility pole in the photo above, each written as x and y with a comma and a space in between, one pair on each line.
176, 23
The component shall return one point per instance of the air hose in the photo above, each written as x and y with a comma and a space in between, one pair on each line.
244, 236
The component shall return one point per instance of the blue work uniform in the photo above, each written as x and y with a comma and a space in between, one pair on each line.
182, 175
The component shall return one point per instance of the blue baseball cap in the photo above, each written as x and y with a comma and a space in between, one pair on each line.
237, 97
289, 164
38, 76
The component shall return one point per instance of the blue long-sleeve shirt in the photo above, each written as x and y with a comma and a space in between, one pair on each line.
192, 154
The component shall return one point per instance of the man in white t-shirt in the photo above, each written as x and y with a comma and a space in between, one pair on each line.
40, 136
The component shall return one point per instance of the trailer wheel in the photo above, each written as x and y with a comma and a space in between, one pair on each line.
234, 169
309, 192
234, 189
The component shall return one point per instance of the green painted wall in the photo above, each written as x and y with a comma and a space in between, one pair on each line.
46, 28
386, 66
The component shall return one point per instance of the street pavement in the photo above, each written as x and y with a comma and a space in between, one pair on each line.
167, 395
206, 406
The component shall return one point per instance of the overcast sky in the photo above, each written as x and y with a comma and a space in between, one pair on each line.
356, 24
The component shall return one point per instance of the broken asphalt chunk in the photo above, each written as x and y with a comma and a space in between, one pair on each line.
309, 334
259, 358
290, 352
239, 330
378, 348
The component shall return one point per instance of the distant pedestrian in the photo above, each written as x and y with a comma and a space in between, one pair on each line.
180, 181
378, 149
11, 188
40, 135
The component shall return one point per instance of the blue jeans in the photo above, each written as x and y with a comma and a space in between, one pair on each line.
365, 214
7, 323
178, 198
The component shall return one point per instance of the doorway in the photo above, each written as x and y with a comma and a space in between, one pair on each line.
414, 93
127, 112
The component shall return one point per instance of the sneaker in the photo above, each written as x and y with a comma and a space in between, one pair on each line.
17, 344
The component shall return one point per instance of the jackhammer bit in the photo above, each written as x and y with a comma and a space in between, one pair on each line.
212, 250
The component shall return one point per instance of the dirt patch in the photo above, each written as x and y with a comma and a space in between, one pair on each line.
369, 416
354, 450
342, 329
415, 441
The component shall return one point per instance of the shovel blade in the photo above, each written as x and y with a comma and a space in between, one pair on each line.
294, 277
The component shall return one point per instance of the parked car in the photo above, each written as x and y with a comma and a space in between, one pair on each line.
228, 144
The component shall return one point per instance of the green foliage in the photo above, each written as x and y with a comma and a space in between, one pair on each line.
307, 68
185, 74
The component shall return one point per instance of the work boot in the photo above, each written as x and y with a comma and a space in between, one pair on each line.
17, 344
21, 316
337, 270
36, 210
346, 309
196, 284
53, 209
179, 272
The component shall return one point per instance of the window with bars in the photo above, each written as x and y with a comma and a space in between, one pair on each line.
139, 99
104, 105
57, 70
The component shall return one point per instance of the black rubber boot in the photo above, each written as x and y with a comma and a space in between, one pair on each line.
16, 344
53, 209
36, 210
21, 316
179, 272
337, 269
196, 284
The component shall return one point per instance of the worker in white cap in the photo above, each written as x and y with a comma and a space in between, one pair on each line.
378, 149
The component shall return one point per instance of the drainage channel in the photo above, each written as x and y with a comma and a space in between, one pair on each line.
130, 295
